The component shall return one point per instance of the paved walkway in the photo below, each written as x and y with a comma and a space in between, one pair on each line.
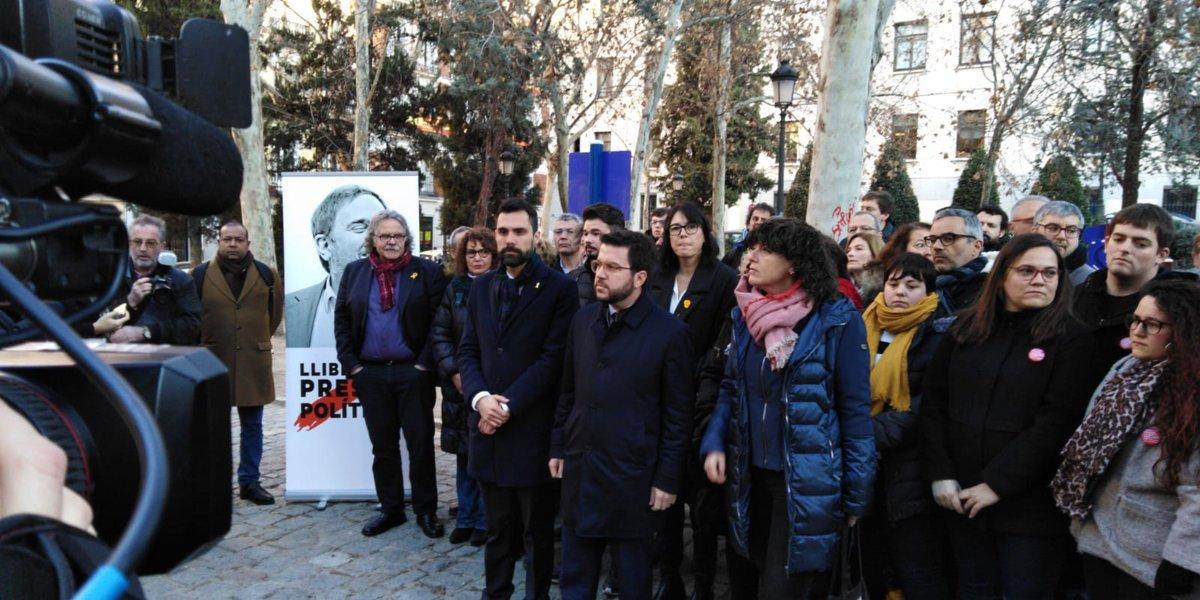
292, 550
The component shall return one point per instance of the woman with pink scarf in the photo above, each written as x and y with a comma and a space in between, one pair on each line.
791, 434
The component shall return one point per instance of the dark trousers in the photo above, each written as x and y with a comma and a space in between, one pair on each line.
251, 445
471, 514
581, 560
707, 508
995, 565
909, 555
394, 400
770, 536
1103, 581
511, 512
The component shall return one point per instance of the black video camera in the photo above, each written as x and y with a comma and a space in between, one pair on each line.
84, 111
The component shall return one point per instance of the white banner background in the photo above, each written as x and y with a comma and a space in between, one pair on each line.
327, 449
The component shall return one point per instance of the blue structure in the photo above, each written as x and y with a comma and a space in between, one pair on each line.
1092, 238
598, 176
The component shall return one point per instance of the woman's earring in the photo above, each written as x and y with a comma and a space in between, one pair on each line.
791, 271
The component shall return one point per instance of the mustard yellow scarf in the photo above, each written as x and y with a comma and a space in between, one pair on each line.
889, 377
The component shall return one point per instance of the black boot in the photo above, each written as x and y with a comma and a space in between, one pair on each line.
255, 493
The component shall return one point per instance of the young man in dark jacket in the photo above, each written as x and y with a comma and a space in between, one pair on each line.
623, 423
1139, 241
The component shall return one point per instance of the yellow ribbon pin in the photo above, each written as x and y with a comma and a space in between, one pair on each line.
413, 276
687, 303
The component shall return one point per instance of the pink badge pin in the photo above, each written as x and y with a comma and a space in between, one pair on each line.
1037, 355
1151, 436
1126, 343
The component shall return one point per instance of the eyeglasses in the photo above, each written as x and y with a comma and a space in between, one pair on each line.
391, 237
1027, 273
1150, 326
946, 239
481, 253
1053, 229
138, 243
853, 229
919, 244
679, 230
604, 266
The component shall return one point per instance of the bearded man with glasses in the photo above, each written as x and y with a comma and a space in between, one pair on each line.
956, 242
1062, 223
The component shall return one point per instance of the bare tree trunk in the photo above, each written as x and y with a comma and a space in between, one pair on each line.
256, 197
1135, 132
851, 35
491, 154
720, 139
362, 84
653, 98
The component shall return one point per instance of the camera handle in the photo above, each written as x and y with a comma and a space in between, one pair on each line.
110, 580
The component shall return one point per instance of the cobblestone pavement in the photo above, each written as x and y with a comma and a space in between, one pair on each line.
292, 550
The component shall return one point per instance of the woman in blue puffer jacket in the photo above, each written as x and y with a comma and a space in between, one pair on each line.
791, 433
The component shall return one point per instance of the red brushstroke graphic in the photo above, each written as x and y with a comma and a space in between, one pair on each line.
330, 404
841, 220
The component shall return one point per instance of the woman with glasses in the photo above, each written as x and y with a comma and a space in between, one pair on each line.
474, 254
1130, 476
791, 432
909, 237
862, 253
697, 288
1002, 394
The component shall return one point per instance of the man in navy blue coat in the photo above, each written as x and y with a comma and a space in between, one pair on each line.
623, 423
510, 361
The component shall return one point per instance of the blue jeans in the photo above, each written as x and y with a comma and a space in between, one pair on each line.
470, 500
252, 443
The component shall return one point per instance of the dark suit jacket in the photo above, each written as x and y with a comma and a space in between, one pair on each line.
623, 422
419, 290
520, 359
300, 309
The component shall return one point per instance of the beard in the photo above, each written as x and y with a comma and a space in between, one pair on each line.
513, 257
615, 295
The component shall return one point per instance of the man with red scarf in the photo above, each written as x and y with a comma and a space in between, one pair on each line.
385, 306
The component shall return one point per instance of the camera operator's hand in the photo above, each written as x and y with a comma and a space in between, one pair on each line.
32, 471
139, 291
110, 321
130, 334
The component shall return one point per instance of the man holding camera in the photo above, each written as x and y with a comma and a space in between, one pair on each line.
162, 306
241, 311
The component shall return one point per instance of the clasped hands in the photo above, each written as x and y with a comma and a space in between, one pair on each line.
493, 412
950, 496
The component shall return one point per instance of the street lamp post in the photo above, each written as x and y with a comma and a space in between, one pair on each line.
508, 161
783, 80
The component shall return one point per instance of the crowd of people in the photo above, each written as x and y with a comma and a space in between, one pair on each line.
984, 412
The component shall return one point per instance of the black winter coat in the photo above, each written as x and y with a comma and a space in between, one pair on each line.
584, 278
1108, 315
999, 412
906, 491
447, 330
623, 419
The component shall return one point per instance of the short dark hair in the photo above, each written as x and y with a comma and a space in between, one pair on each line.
804, 248
641, 248
883, 199
485, 237
693, 214
660, 211
1147, 216
770, 210
841, 264
908, 264
607, 213
995, 211
513, 205
231, 222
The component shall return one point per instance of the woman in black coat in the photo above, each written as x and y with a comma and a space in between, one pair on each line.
698, 289
1004, 391
903, 531
474, 255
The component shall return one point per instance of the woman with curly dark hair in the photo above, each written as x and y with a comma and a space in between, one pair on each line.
1001, 394
793, 413
1130, 477
474, 254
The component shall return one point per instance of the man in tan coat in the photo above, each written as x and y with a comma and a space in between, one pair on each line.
241, 311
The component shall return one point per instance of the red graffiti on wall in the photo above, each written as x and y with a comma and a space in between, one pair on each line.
841, 220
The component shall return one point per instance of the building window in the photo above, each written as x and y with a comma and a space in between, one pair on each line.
1094, 37
911, 39
976, 38
791, 141
1180, 200
426, 233
904, 134
605, 78
972, 124
605, 137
